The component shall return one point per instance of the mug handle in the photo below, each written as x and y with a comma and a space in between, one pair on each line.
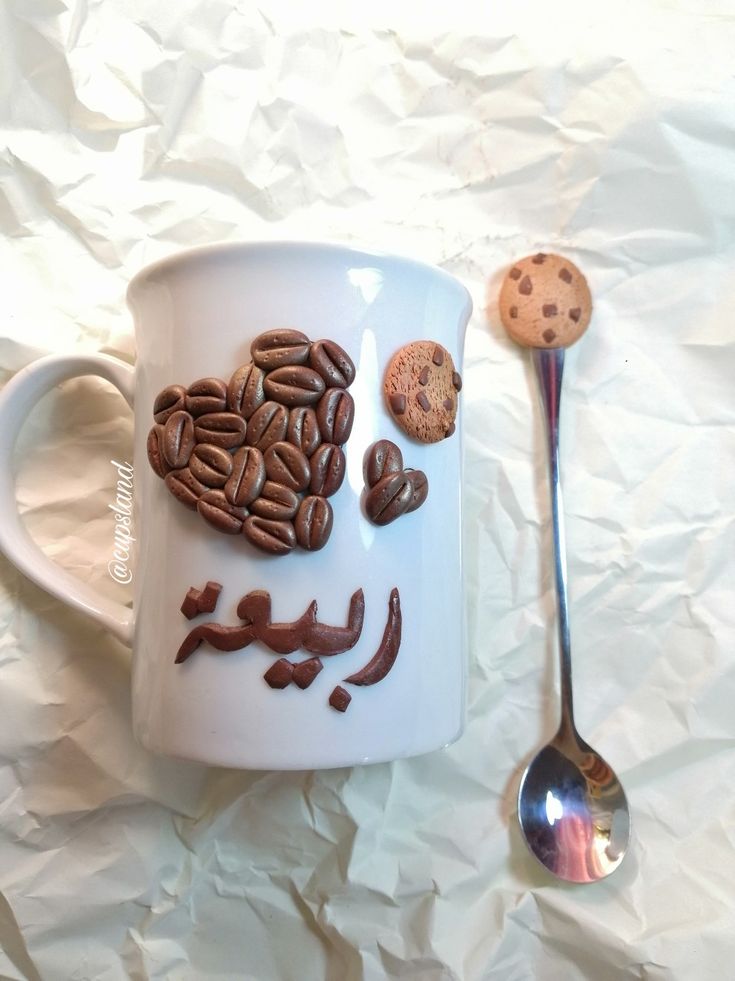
16, 401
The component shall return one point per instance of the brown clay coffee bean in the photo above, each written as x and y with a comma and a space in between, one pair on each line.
335, 414
247, 478
333, 363
327, 470
286, 464
389, 499
245, 390
382, 458
154, 447
277, 348
211, 465
206, 395
303, 429
276, 502
178, 439
171, 399
218, 512
313, 524
225, 429
267, 425
420, 484
294, 385
185, 487
275, 537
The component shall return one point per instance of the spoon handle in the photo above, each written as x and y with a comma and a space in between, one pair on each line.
549, 366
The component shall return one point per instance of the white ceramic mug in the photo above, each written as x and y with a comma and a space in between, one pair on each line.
195, 316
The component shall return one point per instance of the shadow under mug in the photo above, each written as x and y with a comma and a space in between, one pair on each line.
196, 315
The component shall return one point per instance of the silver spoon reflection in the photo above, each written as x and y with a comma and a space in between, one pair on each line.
571, 806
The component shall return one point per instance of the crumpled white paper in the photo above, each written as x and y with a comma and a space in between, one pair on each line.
128, 131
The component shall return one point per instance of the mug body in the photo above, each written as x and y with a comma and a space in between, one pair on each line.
196, 315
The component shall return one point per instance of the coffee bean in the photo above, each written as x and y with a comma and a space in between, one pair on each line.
276, 502
327, 470
245, 390
178, 439
185, 487
171, 399
333, 363
211, 465
206, 395
389, 499
335, 414
267, 425
420, 484
286, 464
303, 429
275, 537
154, 446
382, 458
313, 524
218, 512
277, 348
294, 385
247, 478
225, 429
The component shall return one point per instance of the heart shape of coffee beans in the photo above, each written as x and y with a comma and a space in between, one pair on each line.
258, 456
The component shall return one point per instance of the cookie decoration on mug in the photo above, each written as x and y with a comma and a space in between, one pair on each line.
545, 301
421, 389
257, 456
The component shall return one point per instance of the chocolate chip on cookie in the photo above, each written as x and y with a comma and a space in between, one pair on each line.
421, 388
545, 301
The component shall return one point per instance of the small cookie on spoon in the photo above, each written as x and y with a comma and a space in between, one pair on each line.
545, 301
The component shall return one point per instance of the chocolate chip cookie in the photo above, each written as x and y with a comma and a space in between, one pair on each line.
545, 301
421, 391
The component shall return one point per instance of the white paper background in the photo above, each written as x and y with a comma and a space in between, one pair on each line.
129, 130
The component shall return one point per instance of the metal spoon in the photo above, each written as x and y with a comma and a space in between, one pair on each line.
571, 806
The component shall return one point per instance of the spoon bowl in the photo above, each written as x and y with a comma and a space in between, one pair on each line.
573, 810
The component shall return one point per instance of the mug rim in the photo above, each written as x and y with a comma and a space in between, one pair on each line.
170, 262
